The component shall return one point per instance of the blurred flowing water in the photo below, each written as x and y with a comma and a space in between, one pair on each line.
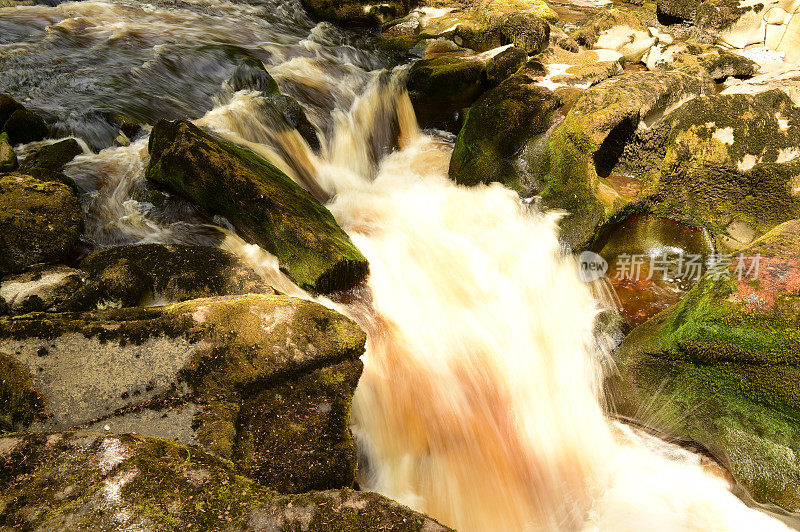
480, 401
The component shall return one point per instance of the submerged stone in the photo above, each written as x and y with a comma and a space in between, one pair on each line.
86, 480
39, 222
54, 156
199, 372
264, 204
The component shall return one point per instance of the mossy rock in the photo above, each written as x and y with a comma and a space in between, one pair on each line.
265, 205
295, 436
586, 147
442, 87
39, 289
722, 367
89, 481
495, 129
479, 25
719, 63
678, 9
25, 126
20, 402
8, 159
135, 275
617, 29
356, 12
39, 222
198, 372
733, 161
503, 65
53, 157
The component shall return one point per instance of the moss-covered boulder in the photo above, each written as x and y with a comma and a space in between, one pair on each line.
201, 372
54, 156
8, 159
717, 62
141, 274
89, 481
40, 288
8, 106
501, 66
443, 87
497, 126
586, 147
722, 366
478, 25
20, 403
357, 12
678, 9
616, 29
733, 161
39, 222
264, 204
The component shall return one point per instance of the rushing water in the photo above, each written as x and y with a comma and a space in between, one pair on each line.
480, 398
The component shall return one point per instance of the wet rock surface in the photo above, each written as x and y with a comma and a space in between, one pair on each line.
198, 372
85, 480
720, 367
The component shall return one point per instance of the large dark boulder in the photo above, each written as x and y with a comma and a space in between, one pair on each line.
357, 12
39, 222
265, 205
443, 87
24, 126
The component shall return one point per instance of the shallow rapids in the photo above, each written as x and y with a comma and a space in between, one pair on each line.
480, 402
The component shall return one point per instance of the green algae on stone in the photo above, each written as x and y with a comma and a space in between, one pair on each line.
39, 222
495, 129
734, 162
264, 204
586, 147
8, 159
132, 275
20, 402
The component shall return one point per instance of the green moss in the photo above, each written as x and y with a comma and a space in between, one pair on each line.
8, 159
264, 204
20, 402
39, 222
54, 156
716, 370
518, 108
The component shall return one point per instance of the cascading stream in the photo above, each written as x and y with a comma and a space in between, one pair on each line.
479, 402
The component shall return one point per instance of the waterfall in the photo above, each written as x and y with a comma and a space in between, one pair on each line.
480, 402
